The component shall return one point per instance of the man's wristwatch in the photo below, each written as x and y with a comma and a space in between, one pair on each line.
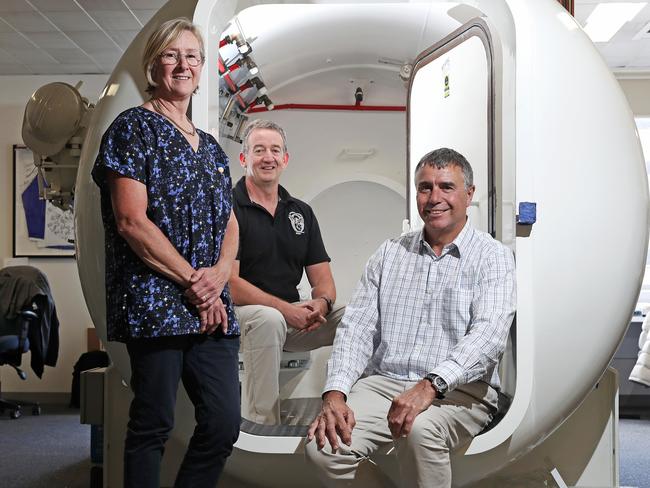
329, 303
438, 384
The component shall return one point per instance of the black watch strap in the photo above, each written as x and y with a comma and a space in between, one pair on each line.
329, 303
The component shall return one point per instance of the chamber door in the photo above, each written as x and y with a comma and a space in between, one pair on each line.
450, 105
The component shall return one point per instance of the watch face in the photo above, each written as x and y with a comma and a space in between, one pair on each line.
440, 384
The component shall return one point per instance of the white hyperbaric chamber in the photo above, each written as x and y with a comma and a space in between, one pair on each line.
515, 86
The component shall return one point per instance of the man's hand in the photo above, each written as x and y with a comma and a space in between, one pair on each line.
206, 285
302, 316
214, 316
335, 420
409, 405
317, 312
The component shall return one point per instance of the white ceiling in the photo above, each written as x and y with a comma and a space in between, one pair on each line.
68, 36
89, 36
623, 54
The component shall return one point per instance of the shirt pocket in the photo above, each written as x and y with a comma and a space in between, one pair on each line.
456, 308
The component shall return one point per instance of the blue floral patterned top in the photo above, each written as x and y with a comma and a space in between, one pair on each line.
189, 199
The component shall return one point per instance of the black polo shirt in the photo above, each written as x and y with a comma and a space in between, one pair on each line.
273, 250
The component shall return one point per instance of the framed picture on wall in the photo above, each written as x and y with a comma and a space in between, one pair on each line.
41, 229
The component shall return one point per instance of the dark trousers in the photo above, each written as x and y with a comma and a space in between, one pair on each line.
208, 367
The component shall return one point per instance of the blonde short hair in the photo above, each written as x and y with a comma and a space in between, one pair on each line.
160, 39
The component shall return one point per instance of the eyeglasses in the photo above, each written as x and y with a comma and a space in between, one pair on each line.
173, 57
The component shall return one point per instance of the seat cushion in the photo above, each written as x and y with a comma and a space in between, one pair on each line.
10, 343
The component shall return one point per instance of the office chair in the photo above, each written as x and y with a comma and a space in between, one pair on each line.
12, 347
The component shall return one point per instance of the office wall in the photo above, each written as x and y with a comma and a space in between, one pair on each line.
637, 92
62, 273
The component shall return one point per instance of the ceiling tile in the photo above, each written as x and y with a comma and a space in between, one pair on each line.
145, 4
582, 12
642, 61
618, 48
72, 21
106, 57
11, 41
116, 20
27, 22
34, 57
55, 40
122, 20
66, 69
92, 5
144, 15
124, 38
68, 56
642, 49
55, 5
15, 6
15, 69
6, 57
4, 27
92, 41
616, 62
635, 25
107, 68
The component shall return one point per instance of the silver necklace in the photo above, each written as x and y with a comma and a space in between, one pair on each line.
158, 109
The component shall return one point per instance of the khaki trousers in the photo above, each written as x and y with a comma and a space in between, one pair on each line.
423, 456
264, 335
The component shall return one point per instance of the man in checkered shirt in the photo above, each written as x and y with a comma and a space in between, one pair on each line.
415, 358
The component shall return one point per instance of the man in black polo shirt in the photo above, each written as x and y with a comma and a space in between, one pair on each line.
279, 237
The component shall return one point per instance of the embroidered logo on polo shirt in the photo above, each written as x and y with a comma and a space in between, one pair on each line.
297, 222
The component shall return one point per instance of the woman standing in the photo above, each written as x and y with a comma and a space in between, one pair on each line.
171, 239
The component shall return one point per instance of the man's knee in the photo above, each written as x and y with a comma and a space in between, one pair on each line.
265, 323
337, 313
314, 455
326, 463
430, 434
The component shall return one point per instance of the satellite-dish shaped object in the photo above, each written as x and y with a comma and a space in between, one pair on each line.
52, 116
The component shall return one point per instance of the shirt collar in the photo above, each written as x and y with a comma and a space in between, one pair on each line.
457, 247
240, 193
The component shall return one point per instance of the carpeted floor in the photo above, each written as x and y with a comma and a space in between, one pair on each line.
53, 450
47, 451
634, 446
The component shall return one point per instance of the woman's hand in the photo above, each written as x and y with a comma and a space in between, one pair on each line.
204, 292
214, 316
206, 285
